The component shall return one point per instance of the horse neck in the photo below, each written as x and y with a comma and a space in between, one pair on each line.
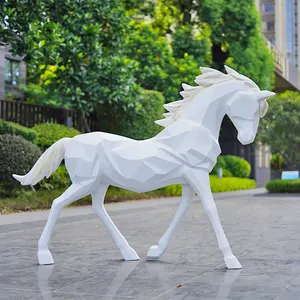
208, 106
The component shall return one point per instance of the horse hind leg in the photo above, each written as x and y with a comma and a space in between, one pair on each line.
72, 194
98, 195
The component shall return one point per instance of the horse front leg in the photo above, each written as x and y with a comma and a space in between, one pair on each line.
199, 180
157, 251
98, 195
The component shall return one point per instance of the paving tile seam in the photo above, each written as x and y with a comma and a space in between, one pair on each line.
17, 271
91, 294
78, 282
287, 286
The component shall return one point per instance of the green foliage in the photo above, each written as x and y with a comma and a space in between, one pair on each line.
254, 61
277, 161
281, 126
49, 133
174, 190
58, 180
237, 166
230, 28
139, 124
16, 129
186, 40
153, 54
230, 184
36, 94
17, 156
220, 164
283, 186
226, 173
81, 41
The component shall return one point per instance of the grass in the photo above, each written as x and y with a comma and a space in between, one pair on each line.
42, 199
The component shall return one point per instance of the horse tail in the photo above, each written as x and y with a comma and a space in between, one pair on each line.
48, 162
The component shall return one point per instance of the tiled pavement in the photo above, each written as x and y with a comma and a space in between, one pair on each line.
264, 233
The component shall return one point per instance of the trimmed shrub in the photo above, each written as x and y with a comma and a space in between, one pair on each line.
216, 185
16, 129
58, 180
17, 156
230, 184
227, 173
172, 190
237, 166
283, 186
220, 164
49, 133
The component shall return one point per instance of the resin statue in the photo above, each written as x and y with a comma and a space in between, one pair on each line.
183, 153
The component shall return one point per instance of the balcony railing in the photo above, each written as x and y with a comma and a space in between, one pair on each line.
282, 64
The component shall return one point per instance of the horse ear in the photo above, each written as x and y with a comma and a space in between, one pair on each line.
231, 71
205, 70
262, 95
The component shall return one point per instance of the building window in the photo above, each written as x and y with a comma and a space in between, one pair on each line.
269, 26
11, 72
268, 8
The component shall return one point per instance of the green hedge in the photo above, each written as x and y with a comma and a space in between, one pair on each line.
16, 129
230, 184
58, 180
217, 185
49, 133
237, 166
283, 186
17, 156
221, 164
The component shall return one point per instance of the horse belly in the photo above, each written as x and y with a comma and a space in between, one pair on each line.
141, 167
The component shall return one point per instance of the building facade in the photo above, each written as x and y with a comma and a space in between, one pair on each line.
12, 75
280, 21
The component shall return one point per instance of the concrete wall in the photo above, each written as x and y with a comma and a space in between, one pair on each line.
262, 166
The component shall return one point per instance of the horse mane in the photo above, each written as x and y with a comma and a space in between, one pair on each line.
208, 78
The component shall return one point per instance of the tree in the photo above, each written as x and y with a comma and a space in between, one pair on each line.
235, 37
281, 126
82, 41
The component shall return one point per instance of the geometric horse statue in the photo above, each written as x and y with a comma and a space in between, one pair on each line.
184, 152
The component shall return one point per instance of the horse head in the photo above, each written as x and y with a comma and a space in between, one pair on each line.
246, 107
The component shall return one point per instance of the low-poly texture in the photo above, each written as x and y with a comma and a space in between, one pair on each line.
183, 153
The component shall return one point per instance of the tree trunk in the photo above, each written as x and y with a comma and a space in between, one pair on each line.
84, 124
186, 17
219, 57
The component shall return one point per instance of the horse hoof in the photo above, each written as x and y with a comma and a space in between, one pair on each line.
45, 257
232, 262
129, 254
154, 252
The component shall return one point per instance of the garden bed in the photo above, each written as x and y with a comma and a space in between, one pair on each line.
42, 199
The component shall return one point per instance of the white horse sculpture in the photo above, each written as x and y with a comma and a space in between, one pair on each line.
183, 153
